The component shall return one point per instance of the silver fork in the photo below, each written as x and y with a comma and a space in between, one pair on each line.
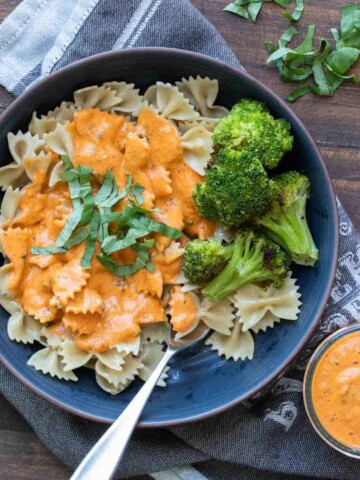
101, 462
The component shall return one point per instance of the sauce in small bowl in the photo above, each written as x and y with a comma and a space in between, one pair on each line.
332, 390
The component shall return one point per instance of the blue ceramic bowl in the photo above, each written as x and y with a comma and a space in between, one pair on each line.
200, 384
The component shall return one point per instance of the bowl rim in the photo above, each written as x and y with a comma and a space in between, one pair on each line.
316, 357
334, 213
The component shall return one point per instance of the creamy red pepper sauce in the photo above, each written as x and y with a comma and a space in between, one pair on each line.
336, 390
96, 308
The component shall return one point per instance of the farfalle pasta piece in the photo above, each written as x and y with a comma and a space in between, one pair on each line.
202, 93
15, 244
223, 234
160, 181
47, 123
36, 299
53, 336
118, 378
239, 345
150, 283
10, 204
37, 163
55, 173
72, 356
64, 112
208, 124
267, 321
183, 309
81, 323
197, 148
48, 360
201, 330
5, 272
21, 145
218, 316
169, 102
103, 98
13, 174
130, 99
253, 302
21, 327
42, 125
112, 358
133, 347
85, 301
155, 333
67, 281
150, 356
59, 140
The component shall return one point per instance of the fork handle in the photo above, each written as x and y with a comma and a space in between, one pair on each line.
101, 462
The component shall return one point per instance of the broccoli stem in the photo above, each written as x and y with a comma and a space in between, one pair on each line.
245, 266
291, 231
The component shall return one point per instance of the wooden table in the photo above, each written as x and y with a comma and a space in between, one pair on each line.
333, 122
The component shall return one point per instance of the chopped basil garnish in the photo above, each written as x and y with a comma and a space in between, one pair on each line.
249, 9
92, 220
47, 250
327, 66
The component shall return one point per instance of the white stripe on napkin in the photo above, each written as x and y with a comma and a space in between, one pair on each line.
180, 473
138, 17
79, 14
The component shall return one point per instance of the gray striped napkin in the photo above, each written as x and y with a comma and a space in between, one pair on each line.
266, 438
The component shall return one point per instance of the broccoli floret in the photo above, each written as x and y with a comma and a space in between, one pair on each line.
286, 222
235, 189
204, 258
255, 259
249, 126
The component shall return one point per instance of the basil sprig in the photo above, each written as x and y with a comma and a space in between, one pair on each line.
92, 220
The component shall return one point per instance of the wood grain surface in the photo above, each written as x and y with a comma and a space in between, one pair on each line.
333, 122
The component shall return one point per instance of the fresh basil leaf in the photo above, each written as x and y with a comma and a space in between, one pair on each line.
88, 210
289, 53
282, 3
77, 238
106, 188
299, 92
341, 60
70, 225
350, 17
238, 10
68, 175
335, 34
295, 16
254, 9
47, 250
150, 267
110, 216
323, 86
111, 244
91, 241
308, 42
137, 191
155, 227
123, 270
67, 162
147, 244
128, 183
287, 36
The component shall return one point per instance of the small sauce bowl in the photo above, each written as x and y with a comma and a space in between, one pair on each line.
308, 390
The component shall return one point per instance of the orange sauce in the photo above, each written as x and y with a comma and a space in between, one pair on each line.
97, 309
336, 390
